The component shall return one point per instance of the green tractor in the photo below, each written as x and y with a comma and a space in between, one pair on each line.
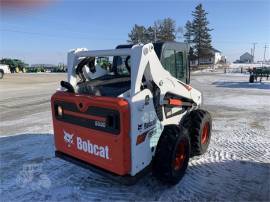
259, 72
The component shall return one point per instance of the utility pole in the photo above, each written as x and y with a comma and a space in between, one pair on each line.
155, 32
265, 47
253, 52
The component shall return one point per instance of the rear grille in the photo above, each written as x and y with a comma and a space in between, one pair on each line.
102, 119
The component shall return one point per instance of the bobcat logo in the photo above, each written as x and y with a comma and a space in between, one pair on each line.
68, 138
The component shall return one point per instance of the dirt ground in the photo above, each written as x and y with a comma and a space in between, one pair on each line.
235, 168
25, 102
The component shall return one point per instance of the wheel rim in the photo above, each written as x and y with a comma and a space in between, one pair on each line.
205, 133
180, 156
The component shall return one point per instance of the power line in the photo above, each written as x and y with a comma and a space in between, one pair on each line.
57, 36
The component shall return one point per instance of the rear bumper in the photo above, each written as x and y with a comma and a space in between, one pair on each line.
125, 179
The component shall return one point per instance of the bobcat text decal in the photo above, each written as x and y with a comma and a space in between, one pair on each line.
87, 146
91, 148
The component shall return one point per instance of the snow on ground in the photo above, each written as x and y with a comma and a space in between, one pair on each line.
248, 65
235, 168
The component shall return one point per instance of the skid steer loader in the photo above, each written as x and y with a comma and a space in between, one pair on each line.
131, 114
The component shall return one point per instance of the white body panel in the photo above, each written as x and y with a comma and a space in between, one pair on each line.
144, 62
142, 115
5, 68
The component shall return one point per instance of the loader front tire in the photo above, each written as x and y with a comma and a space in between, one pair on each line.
200, 131
172, 155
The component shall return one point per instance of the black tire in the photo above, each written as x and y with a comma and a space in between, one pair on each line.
200, 131
172, 155
1, 74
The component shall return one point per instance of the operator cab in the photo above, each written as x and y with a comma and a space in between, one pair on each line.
173, 57
110, 75
113, 76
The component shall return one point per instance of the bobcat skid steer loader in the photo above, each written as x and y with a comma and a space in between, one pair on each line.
130, 110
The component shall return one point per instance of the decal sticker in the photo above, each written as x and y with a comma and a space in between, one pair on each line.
149, 124
87, 146
151, 133
68, 138
100, 124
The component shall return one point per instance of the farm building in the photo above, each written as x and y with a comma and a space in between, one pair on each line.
246, 58
212, 58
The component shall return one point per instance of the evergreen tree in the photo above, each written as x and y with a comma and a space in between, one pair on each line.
166, 29
162, 30
137, 34
188, 32
150, 34
140, 34
201, 37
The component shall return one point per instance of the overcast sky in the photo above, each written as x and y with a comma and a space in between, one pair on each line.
44, 34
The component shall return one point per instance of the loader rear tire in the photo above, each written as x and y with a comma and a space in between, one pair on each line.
172, 155
200, 131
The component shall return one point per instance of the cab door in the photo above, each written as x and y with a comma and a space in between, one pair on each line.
175, 61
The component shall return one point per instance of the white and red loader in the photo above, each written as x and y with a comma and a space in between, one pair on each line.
129, 110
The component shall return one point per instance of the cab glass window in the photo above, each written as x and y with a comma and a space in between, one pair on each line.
168, 61
175, 62
180, 66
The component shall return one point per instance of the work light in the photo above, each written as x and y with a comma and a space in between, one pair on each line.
59, 111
